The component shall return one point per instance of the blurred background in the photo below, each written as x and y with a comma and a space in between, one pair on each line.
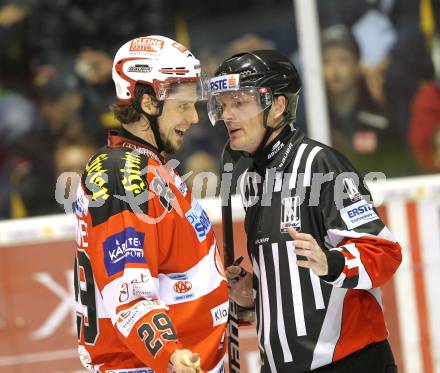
378, 71
380, 64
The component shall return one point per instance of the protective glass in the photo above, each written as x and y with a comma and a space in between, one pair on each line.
228, 102
238, 106
183, 89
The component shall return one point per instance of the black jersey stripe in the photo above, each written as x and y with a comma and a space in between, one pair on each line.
296, 164
266, 305
281, 327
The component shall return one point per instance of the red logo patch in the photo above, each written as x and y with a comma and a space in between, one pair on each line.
182, 286
180, 47
232, 81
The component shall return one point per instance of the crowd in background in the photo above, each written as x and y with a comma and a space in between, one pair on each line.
381, 64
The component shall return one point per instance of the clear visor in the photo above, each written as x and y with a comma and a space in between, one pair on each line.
239, 105
183, 89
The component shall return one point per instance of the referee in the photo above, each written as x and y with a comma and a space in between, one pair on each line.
319, 250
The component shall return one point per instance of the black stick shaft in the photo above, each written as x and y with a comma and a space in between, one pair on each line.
228, 254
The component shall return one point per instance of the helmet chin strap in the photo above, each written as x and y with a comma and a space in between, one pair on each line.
270, 130
153, 119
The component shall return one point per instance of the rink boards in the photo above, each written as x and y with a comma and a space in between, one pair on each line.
37, 331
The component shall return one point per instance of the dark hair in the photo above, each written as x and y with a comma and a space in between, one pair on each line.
127, 113
340, 36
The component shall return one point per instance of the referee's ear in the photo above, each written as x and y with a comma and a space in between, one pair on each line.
279, 106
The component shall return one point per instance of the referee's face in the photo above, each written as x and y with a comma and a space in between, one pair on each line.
243, 117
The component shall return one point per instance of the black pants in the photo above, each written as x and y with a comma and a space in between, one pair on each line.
374, 358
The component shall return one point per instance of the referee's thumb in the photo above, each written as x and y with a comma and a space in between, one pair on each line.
292, 232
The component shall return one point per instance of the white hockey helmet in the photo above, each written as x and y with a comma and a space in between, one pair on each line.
156, 61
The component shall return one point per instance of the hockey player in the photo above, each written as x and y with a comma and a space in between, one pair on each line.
150, 290
319, 250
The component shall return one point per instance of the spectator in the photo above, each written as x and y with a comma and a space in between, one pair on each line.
359, 128
14, 51
25, 170
59, 99
424, 132
393, 50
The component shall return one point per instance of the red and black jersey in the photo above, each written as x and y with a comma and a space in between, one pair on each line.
305, 321
148, 277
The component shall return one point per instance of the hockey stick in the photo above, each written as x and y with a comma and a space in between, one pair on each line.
228, 255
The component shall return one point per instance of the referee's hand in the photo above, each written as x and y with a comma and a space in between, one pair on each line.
306, 246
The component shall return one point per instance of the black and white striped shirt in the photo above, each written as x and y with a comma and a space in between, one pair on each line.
304, 321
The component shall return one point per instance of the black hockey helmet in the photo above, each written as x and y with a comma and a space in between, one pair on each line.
263, 68
263, 73
268, 71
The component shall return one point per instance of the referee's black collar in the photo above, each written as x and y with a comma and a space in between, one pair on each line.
280, 150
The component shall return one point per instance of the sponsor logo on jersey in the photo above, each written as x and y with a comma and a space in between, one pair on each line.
131, 174
275, 149
199, 220
82, 202
182, 286
357, 214
136, 370
286, 154
261, 240
290, 214
180, 184
184, 297
146, 45
220, 314
97, 178
177, 276
224, 83
127, 318
141, 150
351, 189
138, 68
127, 290
123, 247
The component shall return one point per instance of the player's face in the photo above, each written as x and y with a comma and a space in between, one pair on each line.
243, 118
341, 69
178, 115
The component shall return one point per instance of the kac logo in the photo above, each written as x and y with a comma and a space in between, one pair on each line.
123, 247
182, 286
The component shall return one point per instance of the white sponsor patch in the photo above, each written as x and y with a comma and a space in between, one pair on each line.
220, 314
224, 83
137, 283
127, 318
199, 220
357, 214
